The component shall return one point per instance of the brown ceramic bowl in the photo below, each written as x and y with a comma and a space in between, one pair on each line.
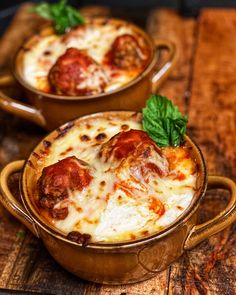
126, 262
50, 110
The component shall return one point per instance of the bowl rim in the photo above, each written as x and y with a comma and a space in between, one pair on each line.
153, 60
179, 222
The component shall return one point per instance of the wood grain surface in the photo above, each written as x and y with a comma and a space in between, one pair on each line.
203, 85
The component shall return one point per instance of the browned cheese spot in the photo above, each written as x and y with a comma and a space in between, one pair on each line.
77, 225
44, 152
133, 237
145, 233
101, 136
90, 221
47, 52
61, 132
69, 149
102, 183
155, 182
30, 164
125, 127
119, 200
36, 155
112, 124
118, 26
101, 129
47, 144
105, 22
84, 137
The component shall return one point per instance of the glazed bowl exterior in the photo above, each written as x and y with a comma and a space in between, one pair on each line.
118, 263
51, 110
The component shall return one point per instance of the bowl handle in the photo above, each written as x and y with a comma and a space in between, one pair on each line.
16, 107
6, 80
161, 74
223, 219
9, 201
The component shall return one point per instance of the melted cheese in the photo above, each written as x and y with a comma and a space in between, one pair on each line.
96, 40
106, 211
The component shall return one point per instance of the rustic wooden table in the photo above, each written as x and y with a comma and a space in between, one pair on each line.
203, 85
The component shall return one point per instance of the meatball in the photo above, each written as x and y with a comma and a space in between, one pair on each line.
76, 73
133, 156
126, 143
126, 53
58, 180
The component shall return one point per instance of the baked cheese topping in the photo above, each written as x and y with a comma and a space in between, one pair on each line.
94, 39
123, 201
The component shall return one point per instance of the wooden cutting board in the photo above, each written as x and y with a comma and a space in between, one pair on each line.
203, 85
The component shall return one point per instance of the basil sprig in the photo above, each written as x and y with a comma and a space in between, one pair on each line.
63, 15
163, 121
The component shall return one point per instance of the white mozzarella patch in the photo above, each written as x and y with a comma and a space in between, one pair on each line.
106, 211
120, 219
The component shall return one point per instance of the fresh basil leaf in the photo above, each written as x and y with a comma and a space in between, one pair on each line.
63, 15
74, 16
43, 9
163, 121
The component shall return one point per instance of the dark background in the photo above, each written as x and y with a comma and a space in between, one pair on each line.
134, 8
